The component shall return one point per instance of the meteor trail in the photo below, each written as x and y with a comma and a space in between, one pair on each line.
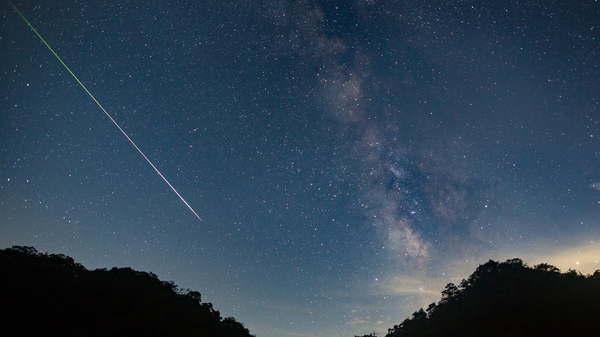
106, 113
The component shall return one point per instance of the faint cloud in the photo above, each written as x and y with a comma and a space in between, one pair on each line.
419, 285
583, 257
356, 321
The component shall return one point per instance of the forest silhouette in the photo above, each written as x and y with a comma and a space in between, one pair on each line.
52, 295
511, 299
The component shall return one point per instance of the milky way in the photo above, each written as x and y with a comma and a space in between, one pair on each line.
348, 159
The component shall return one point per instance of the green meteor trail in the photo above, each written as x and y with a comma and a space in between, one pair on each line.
105, 112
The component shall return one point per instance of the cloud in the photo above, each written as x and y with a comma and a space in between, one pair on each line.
583, 257
367, 320
358, 320
420, 284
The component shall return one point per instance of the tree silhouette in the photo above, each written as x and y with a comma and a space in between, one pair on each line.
511, 299
52, 295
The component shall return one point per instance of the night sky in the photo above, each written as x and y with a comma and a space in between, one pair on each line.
348, 159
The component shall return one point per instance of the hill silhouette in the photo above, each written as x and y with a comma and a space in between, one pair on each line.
52, 295
512, 299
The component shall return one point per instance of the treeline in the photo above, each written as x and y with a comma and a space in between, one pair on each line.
52, 295
512, 299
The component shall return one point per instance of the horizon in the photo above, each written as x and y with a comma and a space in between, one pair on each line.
348, 160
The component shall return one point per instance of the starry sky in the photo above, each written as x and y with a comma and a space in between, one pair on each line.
348, 158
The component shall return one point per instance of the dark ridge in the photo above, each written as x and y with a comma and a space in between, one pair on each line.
52, 295
512, 299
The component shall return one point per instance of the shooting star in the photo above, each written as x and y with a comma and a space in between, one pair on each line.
106, 113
